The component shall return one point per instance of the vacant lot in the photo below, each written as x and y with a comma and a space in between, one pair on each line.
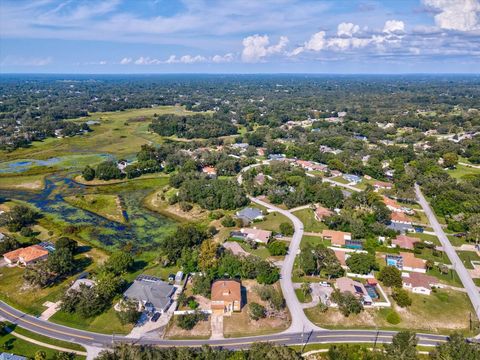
310, 224
240, 324
441, 312
119, 133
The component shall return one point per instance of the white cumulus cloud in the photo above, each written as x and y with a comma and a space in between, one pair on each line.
394, 26
461, 15
223, 58
126, 61
146, 61
347, 29
257, 47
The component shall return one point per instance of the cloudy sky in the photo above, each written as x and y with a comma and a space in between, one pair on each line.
240, 36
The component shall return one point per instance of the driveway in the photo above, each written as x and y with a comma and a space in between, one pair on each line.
216, 324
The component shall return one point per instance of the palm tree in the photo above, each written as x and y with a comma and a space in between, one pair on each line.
305, 287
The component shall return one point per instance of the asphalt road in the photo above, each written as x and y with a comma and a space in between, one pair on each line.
96, 340
300, 322
457, 263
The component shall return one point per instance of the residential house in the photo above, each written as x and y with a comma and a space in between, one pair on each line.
277, 157
400, 218
250, 214
253, 234
26, 256
406, 262
209, 171
226, 296
419, 283
338, 238
77, 284
6, 356
335, 173
351, 178
391, 204
321, 213
382, 185
405, 242
345, 284
151, 292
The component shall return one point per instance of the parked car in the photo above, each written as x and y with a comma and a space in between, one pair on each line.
155, 317
459, 235
419, 229
324, 284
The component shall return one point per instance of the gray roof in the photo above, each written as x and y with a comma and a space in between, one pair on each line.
5, 356
150, 290
249, 213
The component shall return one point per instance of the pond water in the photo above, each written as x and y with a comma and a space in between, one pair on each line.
22, 165
144, 228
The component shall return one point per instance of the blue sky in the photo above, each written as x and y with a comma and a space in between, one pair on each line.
240, 36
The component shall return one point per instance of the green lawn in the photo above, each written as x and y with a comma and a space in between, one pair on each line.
272, 222
107, 322
11, 344
45, 339
467, 257
462, 170
310, 224
260, 251
301, 297
314, 240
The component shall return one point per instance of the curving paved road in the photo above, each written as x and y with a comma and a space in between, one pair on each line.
457, 263
95, 340
300, 322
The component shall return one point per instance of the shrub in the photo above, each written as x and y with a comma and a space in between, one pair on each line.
277, 248
401, 297
185, 206
256, 311
393, 318
188, 321
286, 229
228, 221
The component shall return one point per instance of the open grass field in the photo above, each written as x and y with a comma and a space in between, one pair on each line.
462, 170
119, 133
442, 312
108, 206
23, 182
310, 224
272, 222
